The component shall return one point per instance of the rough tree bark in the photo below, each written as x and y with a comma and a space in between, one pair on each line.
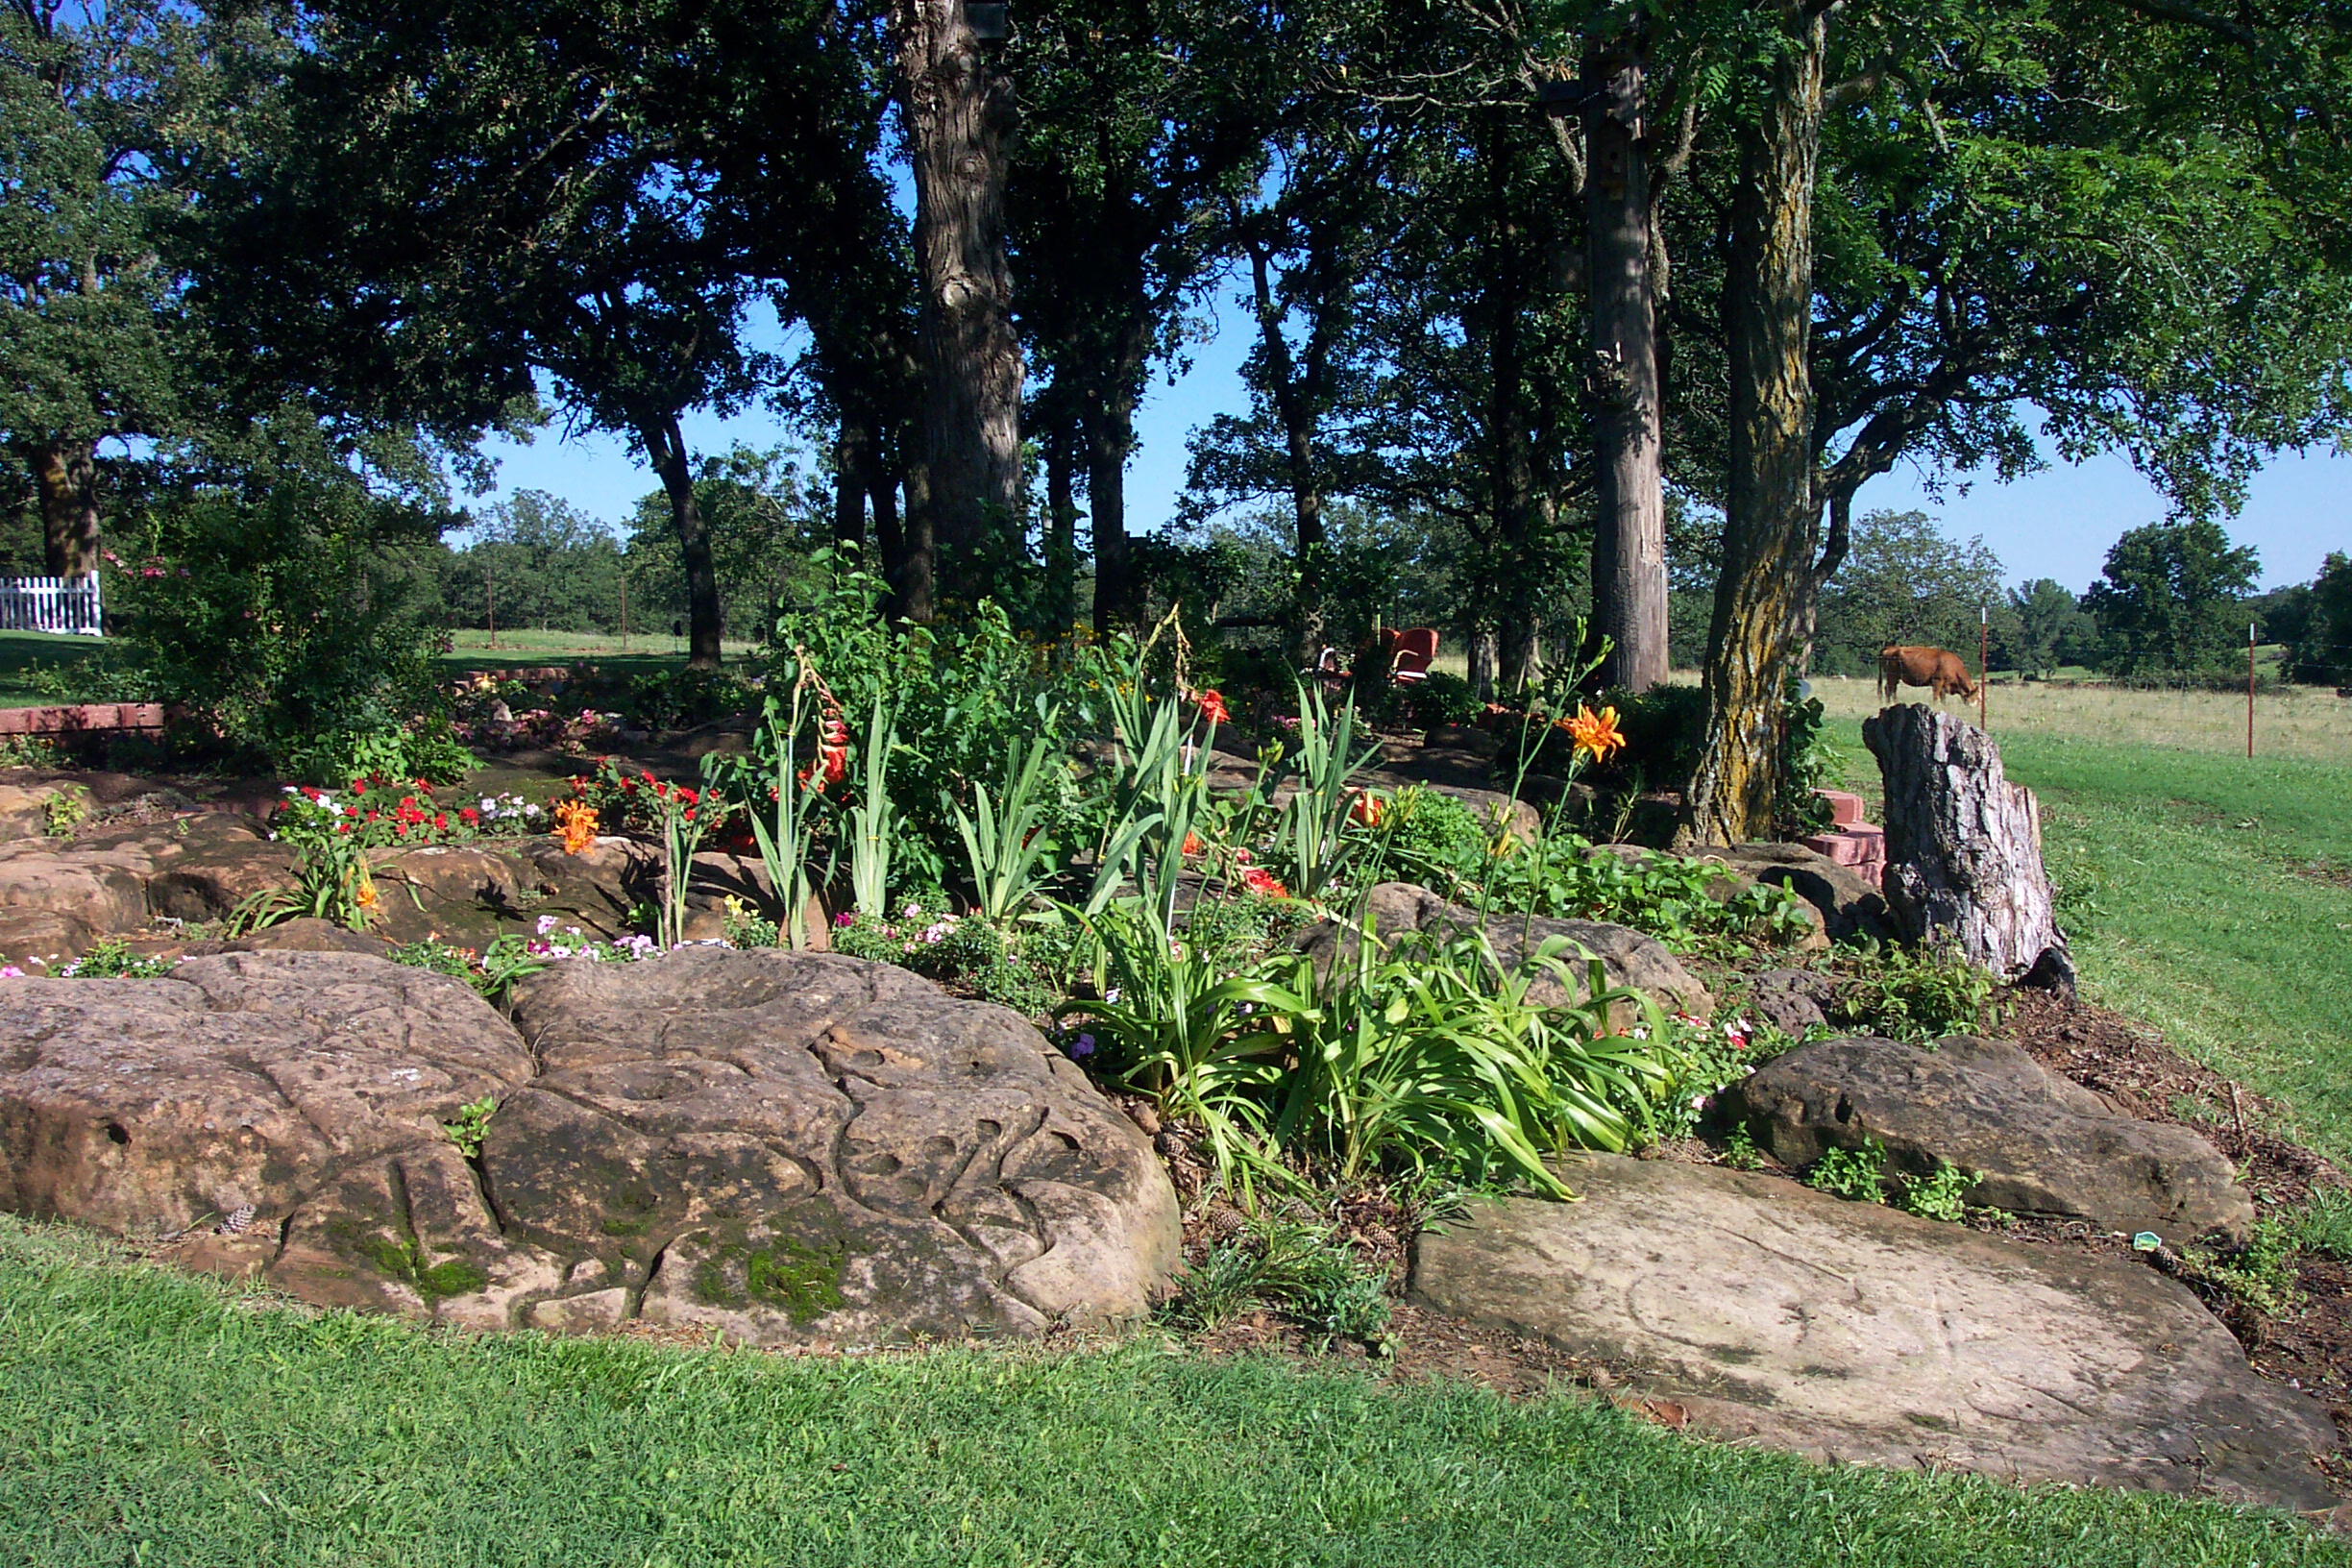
1629, 557
852, 464
666, 449
1964, 846
1109, 437
961, 112
1771, 509
913, 568
65, 472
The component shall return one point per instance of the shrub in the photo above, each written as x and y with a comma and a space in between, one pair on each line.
287, 610
1937, 1196
1442, 699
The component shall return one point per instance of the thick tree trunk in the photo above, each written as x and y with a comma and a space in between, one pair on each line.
1964, 846
1482, 660
1771, 509
1109, 437
961, 112
1628, 560
65, 472
913, 571
666, 447
1062, 525
852, 462
1297, 399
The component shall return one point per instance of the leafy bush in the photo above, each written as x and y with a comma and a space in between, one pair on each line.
1442, 699
964, 951
2260, 1275
1856, 1175
286, 609
1914, 994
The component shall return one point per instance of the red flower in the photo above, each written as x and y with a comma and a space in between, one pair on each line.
441, 821
688, 813
358, 786
468, 816
1367, 809
690, 796
1193, 843
1212, 707
1257, 879
371, 815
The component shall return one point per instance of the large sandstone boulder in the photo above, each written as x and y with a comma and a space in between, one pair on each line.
797, 1147
790, 1147
1628, 957
1850, 1332
2040, 1144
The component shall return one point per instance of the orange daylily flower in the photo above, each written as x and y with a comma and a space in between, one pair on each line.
1368, 809
576, 824
1596, 734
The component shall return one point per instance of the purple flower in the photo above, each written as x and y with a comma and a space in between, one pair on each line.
844, 918
1082, 1047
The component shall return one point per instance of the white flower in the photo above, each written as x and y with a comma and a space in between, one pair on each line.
547, 923
1112, 996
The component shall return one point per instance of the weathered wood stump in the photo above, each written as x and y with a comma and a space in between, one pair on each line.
1964, 846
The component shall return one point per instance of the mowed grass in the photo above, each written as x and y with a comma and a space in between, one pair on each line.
159, 1419
472, 649
2215, 892
22, 652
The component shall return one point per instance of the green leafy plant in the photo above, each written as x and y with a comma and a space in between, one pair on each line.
2258, 1274
1937, 1196
66, 810
746, 927
1739, 1150
110, 957
1856, 1175
786, 802
1316, 839
683, 817
1911, 992
27, 751
2325, 1224
1290, 1266
873, 822
1012, 859
471, 1126
492, 971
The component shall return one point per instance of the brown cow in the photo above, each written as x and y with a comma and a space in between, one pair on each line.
1937, 669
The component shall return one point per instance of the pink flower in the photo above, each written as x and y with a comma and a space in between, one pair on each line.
844, 918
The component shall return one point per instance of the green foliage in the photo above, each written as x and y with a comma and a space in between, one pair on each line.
492, 971
1739, 1150
2048, 628
1429, 1057
2323, 647
1012, 860
1441, 698
66, 810
2169, 601
2325, 1224
1916, 993
1937, 1196
2258, 1274
471, 1126
1902, 582
1856, 1175
1315, 843
110, 957
992, 962
1286, 1264
286, 609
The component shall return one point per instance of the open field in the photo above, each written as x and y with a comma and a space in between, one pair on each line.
472, 649
161, 1419
2293, 722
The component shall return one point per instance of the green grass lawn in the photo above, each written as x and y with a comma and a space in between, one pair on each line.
2222, 904
21, 651
159, 1419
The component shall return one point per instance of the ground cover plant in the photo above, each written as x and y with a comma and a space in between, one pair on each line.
160, 1418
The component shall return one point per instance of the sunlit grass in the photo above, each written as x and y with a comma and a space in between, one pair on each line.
157, 1419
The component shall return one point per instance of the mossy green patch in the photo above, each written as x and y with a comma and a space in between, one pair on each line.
804, 1281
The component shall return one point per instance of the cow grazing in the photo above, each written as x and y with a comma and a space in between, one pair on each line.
1940, 670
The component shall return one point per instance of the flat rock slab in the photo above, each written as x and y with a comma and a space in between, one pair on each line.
2040, 1144
1628, 958
1850, 1332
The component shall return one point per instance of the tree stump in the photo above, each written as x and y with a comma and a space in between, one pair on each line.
1964, 848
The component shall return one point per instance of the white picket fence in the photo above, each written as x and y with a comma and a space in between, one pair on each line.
50, 604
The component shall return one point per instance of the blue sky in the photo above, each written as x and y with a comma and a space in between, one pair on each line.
2055, 523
